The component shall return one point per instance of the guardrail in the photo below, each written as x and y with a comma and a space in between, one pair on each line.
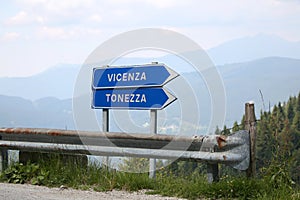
233, 150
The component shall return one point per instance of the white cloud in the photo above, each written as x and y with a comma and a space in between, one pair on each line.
92, 31
57, 6
52, 33
40, 19
60, 33
10, 36
95, 18
24, 18
63, 19
121, 12
20, 18
164, 3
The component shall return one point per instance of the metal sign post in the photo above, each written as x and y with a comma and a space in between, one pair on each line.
105, 127
153, 129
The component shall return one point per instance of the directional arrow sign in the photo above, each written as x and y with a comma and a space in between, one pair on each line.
138, 98
132, 76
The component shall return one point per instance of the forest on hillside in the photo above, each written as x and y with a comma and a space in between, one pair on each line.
278, 138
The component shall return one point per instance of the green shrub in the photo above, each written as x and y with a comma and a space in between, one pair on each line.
29, 173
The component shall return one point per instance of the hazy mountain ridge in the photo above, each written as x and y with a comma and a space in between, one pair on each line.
44, 84
277, 77
44, 113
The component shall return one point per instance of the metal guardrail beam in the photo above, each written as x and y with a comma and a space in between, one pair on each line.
232, 150
113, 151
151, 141
148, 141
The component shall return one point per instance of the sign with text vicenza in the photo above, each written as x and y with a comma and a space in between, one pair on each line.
132, 87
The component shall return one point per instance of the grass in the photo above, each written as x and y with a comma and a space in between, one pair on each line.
54, 172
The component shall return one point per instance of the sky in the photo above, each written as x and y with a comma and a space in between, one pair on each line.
36, 35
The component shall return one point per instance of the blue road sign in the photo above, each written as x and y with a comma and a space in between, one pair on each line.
134, 98
151, 75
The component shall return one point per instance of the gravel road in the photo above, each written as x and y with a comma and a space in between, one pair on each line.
31, 192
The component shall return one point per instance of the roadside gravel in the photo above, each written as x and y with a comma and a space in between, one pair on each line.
31, 192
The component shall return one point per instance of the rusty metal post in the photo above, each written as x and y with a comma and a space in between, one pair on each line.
250, 125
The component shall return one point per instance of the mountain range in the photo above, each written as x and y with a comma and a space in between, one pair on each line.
264, 69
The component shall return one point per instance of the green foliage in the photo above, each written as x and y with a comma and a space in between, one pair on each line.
278, 141
235, 127
192, 186
55, 172
196, 186
278, 175
241, 188
291, 109
134, 182
138, 165
29, 173
183, 168
225, 131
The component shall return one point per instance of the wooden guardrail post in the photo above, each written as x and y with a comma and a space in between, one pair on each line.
250, 125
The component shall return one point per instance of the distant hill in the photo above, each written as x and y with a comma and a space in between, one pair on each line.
252, 48
44, 113
247, 66
56, 82
276, 77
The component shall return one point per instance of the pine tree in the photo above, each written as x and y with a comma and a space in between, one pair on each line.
274, 121
298, 103
285, 140
225, 131
217, 131
296, 125
265, 140
235, 127
242, 126
296, 122
290, 110
280, 117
